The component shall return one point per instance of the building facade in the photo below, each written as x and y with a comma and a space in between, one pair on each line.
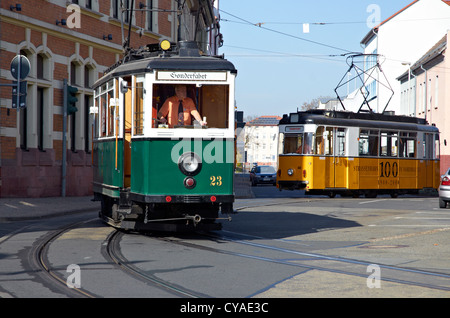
74, 41
261, 141
401, 40
429, 83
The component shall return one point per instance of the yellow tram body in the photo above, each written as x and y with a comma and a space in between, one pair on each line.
328, 152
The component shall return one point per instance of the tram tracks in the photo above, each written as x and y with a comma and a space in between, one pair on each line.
325, 263
285, 253
51, 276
37, 259
115, 255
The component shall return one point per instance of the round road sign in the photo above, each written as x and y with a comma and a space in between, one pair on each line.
24, 67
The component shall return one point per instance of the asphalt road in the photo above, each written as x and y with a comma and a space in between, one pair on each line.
408, 231
279, 244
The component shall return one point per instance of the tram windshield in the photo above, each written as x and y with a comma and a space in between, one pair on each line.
296, 143
204, 106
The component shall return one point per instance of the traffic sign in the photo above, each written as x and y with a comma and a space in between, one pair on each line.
21, 64
20, 90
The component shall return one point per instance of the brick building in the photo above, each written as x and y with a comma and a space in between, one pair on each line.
74, 41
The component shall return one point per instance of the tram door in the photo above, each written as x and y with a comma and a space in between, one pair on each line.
340, 160
428, 158
127, 136
328, 150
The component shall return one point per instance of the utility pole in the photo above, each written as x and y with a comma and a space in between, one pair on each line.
64, 144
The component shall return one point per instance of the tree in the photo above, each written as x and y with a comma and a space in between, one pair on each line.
314, 103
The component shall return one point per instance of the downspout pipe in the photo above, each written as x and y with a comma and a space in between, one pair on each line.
426, 90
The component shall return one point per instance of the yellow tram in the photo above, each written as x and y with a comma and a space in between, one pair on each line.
346, 153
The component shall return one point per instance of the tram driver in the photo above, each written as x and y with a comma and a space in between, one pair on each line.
178, 109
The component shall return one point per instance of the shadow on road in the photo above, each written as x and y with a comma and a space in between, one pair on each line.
276, 225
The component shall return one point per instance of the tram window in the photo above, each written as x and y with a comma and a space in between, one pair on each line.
211, 102
319, 145
111, 112
436, 147
307, 143
407, 148
329, 138
103, 105
368, 142
104, 96
323, 144
214, 105
293, 144
340, 142
139, 109
389, 144
394, 145
428, 146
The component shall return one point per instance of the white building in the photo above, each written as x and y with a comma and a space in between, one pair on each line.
261, 141
402, 39
430, 99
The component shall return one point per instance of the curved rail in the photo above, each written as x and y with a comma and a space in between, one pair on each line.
115, 255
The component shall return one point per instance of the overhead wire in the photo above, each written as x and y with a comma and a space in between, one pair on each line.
282, 54
260, 25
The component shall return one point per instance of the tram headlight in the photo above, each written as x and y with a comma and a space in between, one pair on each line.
189, 164
290, 172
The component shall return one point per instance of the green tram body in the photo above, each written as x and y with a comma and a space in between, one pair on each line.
138, 174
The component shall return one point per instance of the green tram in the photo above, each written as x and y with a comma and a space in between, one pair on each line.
152, 172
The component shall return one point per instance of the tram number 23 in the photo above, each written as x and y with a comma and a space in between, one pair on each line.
388, 169
216, 181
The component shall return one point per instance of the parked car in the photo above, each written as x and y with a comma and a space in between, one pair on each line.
263, 174
444, 190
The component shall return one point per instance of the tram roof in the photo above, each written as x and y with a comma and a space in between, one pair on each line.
351, 119
181, 61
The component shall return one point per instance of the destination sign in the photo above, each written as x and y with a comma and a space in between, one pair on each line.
191, 76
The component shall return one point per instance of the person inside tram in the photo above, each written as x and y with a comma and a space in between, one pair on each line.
178, 109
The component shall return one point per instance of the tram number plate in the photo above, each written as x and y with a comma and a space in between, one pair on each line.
388, 170
216, 181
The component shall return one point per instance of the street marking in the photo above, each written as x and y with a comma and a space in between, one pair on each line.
421, 218
410, 234
373, 201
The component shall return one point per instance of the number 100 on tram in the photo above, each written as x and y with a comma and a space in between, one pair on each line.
164, 140
339, 152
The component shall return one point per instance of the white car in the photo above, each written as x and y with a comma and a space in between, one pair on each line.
444, 190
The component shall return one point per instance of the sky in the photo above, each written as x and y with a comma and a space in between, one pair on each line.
280, 66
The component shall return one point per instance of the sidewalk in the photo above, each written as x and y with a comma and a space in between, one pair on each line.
17, 209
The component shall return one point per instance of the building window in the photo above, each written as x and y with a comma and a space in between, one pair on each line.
150, 15
436, 93
115, 8
40, 66
74, 79
87, 76
40, 118
126, 7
